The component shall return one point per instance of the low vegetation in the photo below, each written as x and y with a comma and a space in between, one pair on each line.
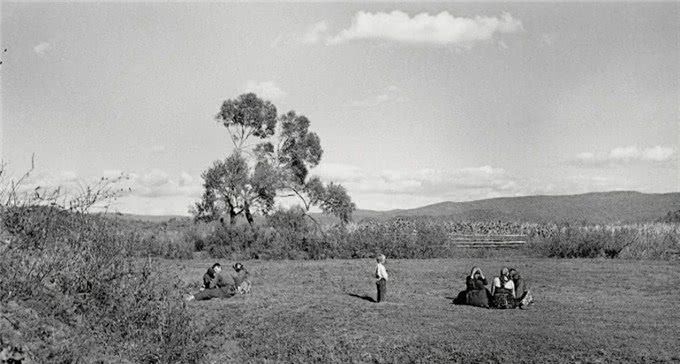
586, 310
82, 287
289, 235
642, 241
72, 290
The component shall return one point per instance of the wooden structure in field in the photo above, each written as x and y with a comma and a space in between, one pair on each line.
487, 241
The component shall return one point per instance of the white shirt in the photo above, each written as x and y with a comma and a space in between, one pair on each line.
380, 272
508, 285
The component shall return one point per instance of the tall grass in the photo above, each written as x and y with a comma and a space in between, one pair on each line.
288, 235
641, 241
72, 291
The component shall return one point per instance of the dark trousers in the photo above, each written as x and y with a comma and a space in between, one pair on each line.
381, 285
206, 294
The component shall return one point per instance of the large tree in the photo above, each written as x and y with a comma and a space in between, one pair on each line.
252, 177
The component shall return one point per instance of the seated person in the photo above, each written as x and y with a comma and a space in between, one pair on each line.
240, 277
503, 290
214, 286
475, 293
213, 279
522, 294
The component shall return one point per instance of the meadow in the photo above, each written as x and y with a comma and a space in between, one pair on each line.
586, 310
77, 287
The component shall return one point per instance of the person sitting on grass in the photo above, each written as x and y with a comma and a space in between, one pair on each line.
503, 290
214, 286
240, 277
523, 296
381, 278
475, 293
213, 279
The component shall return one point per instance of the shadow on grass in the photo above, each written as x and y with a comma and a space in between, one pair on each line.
458, 299
363, 297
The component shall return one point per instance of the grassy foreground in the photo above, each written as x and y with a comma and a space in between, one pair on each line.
586, 311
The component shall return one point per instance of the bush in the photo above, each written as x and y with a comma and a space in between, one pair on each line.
290, 234
165, 244
70, 292
655, 241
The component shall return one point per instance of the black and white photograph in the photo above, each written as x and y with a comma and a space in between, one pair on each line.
339, 182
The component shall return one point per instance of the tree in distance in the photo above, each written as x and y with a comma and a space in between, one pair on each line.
267, 163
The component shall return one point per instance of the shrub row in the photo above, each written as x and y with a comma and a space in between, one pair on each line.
653, 241
292, 235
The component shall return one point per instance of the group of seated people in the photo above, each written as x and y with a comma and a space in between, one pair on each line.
215, 285
508, 290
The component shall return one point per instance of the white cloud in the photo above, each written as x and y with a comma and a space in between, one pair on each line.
112, 173
68, 176
153, 192
185, 179
158, 183
626, 154
658, 153
158, 148
390, 93
267, 89
315, 32
338, 172
423, 28
391, 189
585, 156
42, 48
443, 184
154, 178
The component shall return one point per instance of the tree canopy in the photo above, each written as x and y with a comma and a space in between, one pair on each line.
253, 175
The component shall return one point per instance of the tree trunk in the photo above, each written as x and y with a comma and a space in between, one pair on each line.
249, 216
232, 213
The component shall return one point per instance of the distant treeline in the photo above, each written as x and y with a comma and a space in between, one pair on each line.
290, 234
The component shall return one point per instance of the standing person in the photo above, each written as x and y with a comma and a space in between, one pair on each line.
381, 278
503, 290
240, 277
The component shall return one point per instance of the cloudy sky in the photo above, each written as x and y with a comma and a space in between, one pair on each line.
414, 103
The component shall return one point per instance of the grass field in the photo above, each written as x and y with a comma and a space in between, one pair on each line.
586, 310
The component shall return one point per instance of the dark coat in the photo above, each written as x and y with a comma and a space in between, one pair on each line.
240, 276
214, 280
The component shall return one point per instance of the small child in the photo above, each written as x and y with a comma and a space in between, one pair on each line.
381, 278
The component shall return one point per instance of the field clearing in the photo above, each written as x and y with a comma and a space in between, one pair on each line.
587, 310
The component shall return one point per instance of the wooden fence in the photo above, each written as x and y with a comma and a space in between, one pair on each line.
487, 241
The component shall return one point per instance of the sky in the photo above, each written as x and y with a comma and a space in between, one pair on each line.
415, 103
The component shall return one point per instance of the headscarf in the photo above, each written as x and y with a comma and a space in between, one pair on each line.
505, 274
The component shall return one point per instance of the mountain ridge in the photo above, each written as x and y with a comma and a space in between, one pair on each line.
592, 207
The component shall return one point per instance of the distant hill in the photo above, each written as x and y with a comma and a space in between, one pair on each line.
597, 207
148, 218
